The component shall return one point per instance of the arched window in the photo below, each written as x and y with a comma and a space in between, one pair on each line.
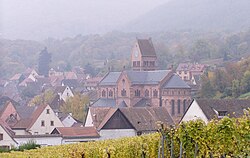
110, 93
179, 106
173, 107
103, 93
123, 93
137, 93
155, 93
146, 93
123, 83
184, 105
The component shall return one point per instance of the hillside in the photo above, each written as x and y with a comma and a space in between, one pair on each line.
202, 15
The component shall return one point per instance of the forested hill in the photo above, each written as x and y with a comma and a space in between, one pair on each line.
204, 15
115, 47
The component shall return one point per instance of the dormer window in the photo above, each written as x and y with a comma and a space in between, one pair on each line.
221, 114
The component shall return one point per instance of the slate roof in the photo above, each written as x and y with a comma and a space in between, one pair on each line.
233, 107
176, 82
141, 118
25, 111
147, 77
110, 79
59, 89
76, 132
104, 102
72, 83
146, 47
143, 103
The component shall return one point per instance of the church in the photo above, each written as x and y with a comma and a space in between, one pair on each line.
144, 85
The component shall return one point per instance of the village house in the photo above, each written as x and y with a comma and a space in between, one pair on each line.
189, 71
114, 122
64, 92
36, 120
208, 109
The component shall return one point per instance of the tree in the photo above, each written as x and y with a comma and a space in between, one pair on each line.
77, 105
207, 90
236, 88
245, 82
43, 62
44, 98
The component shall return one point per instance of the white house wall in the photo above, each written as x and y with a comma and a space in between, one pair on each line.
66, 94
116, 133
46, 118
194, 112
7, 140
43, 141
89, 120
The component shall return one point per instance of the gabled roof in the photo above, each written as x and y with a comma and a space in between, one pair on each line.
110, 79
141, 118
25, 111
233, 107
147, 77
145, 118
146, 47
176, 82
76, 132
72, 83
60, 89
104, 102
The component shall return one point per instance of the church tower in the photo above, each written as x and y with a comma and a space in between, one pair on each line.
143, 56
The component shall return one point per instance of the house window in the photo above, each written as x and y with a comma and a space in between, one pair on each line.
221, 114
134, 63
123, 93
173, 107
138, 63
103, 93
179, 106
67, 94
1, 136
146, 93
137, 93
184, 105
155, 93
51, 123
47, 111
110, 93
42, 123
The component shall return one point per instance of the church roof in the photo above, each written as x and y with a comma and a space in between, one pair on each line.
147, 77
110, 79
176, 82
146, 47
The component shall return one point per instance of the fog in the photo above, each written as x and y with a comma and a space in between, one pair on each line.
40, 19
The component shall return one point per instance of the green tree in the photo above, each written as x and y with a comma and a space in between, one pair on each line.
77, 105
245, 82
207, 90
236, 88
44, 98
43, 62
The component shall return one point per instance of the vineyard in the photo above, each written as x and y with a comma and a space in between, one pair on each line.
228, 137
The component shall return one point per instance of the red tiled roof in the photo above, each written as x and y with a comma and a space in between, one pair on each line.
78, 131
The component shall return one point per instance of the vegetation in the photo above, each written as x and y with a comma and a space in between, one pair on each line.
112, 50
232, 81
26, 146
43, 62
77, 105
228, 137
44, 98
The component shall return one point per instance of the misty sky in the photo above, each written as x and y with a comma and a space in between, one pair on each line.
39, 19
